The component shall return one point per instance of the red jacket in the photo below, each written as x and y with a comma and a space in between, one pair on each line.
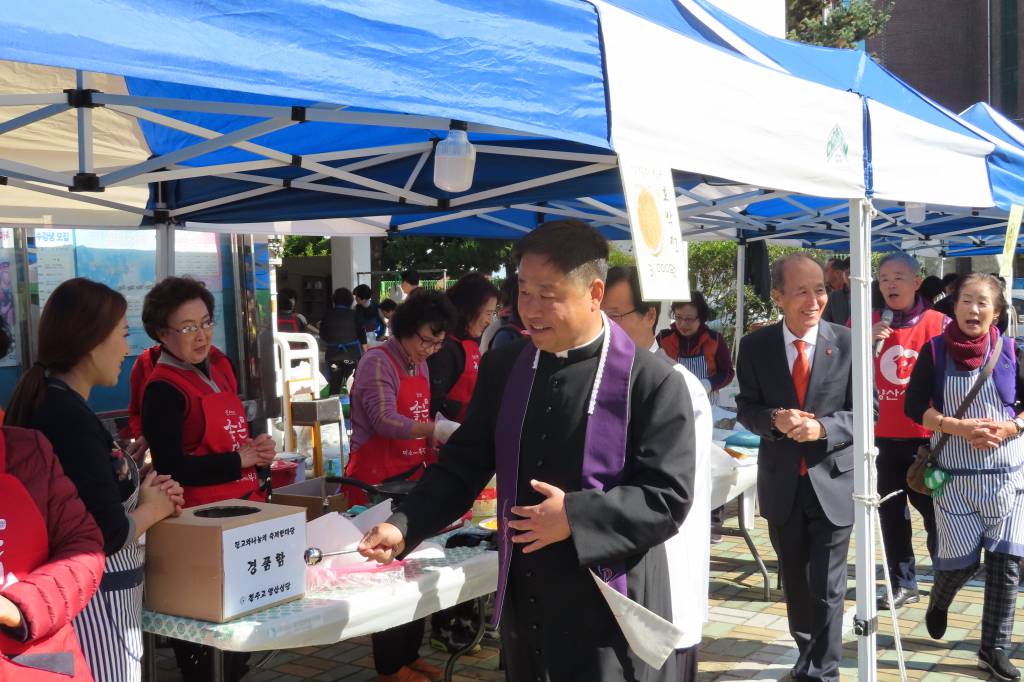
143, 367
54, 593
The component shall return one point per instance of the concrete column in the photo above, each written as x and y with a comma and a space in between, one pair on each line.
349, 256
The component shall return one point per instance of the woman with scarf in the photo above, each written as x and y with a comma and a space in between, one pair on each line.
900, 328
981, 503
697, 348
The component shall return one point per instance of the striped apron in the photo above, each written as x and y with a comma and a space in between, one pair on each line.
982, 505
698, 365
110, 626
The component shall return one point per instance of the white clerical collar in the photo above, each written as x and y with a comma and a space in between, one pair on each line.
565, 353
810, 338
654, 346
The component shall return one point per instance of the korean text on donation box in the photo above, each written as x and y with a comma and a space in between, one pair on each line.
263, 563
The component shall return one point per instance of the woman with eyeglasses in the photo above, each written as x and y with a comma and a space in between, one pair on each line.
195, 423
83, 341
391, 438
701, 350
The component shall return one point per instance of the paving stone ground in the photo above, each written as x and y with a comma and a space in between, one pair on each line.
746, 639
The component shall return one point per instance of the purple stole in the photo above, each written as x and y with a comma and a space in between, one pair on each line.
604, 449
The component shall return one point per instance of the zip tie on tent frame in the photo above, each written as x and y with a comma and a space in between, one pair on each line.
873, 502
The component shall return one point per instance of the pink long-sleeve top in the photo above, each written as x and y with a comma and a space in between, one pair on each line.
374, 393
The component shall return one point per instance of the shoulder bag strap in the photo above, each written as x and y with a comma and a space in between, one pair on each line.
997, 350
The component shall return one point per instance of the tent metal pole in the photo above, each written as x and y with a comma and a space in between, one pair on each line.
85, 156
530, 184
866, 617
741, 295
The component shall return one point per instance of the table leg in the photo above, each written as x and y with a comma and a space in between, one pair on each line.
449, 668
217, 664
148, 657
745, 532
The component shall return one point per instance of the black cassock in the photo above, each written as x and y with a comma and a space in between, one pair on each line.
556, 626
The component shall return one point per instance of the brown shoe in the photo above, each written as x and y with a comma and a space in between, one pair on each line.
432, 672
404, 674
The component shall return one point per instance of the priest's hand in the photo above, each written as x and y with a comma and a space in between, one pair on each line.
542, 524
382, 543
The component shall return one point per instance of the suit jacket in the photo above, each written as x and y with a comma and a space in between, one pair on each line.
766, 384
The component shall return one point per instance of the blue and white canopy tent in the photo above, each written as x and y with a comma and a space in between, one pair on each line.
304, 111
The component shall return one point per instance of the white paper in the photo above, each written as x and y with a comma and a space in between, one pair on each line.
378, 513
427, 550
263, 563
651, 637
661, 254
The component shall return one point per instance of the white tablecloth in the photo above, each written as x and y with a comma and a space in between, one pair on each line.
327, 617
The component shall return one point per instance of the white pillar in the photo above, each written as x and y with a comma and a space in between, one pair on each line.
864, 484
741, 267
349, 256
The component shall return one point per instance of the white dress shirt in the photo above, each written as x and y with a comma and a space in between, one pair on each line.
810, 338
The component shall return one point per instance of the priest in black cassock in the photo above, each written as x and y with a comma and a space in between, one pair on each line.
592, 440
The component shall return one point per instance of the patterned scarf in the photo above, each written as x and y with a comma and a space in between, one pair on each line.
968, 353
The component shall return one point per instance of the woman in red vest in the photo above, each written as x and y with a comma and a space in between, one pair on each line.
453, 368
194, 421
51, 564
391, 440
901, 328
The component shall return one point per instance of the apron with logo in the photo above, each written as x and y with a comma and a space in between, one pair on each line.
462, 391
892, 374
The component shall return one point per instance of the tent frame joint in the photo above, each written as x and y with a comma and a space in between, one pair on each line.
299, 114
86, 182
161, 216
444, 204
81, 98
865, 628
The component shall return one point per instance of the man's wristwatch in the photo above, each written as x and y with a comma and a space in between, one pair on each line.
1019, 423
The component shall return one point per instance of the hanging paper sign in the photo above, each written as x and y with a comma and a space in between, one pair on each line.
654, 223
1010, 246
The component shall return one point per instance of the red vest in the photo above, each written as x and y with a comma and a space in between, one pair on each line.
892, 374
214, 422
141, 369
462, 391
26, 546
288, 322
379, 458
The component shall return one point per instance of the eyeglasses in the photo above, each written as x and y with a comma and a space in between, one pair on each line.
686, 320
618, 317
191, 329
430, 344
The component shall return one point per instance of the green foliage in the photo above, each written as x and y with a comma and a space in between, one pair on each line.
712, 267
616, 257
306, 246
834, 23
456, 255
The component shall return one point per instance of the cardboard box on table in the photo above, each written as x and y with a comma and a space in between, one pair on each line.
226, 559
315, 494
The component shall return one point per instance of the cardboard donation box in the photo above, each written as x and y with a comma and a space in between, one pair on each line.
223, 560
315, 494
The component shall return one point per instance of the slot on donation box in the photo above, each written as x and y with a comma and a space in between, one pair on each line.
223, 560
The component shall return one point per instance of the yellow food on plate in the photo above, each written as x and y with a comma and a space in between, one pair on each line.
489, 524
650, 221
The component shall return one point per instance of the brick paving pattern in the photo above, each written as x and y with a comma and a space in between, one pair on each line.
746, 638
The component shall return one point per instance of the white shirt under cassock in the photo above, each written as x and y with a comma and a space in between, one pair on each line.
689, 553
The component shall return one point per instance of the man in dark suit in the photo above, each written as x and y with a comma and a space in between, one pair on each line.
796, 393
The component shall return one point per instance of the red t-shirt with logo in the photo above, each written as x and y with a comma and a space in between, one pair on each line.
892, 374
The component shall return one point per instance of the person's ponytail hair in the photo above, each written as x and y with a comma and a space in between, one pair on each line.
79, 315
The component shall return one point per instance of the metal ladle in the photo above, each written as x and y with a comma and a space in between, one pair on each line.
315, 555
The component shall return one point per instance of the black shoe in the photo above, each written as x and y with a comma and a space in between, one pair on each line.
935, 619
998, 663
901, 596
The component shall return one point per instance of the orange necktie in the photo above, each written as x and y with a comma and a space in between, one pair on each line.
801, 377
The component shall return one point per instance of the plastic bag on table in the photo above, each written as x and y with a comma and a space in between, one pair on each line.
327, 576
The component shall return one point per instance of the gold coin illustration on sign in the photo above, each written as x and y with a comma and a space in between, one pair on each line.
650, 221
